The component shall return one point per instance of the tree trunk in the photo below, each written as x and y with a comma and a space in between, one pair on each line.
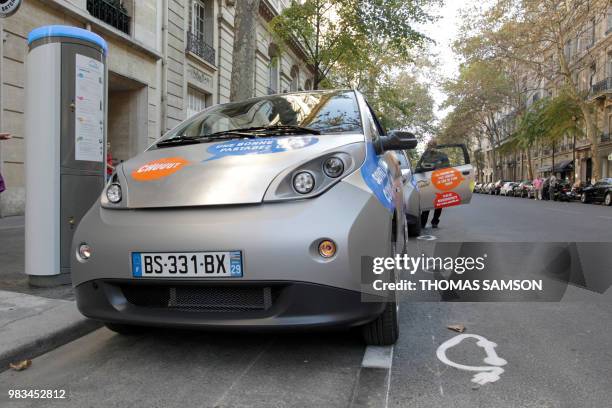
552, 166
243, 54
591, 128
529, 168
574, 158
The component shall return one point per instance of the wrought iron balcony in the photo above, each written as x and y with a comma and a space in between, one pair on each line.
601, 87
111, 12
199, 47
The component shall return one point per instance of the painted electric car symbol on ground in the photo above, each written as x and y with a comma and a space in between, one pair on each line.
486, 373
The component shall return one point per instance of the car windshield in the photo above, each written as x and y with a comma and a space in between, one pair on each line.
319, 111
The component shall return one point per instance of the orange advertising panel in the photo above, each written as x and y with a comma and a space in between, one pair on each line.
447, 199
446, 179
159, 168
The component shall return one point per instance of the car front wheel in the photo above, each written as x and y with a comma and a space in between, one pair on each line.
384, 330
584, 199
608, 199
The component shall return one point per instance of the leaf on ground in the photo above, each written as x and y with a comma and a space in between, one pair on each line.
459, 328
20, 366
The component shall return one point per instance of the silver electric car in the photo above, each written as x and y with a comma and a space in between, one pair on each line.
258, 214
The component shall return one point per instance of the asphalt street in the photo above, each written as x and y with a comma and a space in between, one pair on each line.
556, 354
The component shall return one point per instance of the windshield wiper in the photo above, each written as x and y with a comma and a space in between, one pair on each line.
265, 131
183, 140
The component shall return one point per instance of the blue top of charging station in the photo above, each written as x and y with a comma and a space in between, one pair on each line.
67, 31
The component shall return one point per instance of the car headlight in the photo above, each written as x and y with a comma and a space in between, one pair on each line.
303, 182
113, 193
333, 167
84, 252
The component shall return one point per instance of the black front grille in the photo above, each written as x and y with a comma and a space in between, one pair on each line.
201, 298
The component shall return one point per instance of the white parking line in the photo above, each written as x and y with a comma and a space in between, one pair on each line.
604, 216
378, 357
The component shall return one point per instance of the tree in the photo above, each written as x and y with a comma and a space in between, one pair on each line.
243, 52
539, 34
344, 33
481, 91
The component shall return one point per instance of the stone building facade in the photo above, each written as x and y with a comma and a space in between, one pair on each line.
167, 60
589, 53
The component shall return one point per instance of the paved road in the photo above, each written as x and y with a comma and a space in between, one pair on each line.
557, 354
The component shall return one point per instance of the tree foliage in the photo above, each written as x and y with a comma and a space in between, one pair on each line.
346, 34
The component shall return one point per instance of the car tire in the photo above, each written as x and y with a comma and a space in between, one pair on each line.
384, 330
584, 199
124, 329
608, 199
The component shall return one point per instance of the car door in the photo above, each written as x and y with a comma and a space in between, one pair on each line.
444, 176
598, 189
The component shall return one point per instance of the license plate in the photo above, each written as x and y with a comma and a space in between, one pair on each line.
187, 264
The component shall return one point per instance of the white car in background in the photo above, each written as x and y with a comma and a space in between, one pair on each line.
507, 188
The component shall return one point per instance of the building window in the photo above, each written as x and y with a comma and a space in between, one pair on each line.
295, 79
609, 21
200, 35
273, 53
112, 12
197, 101
308, 85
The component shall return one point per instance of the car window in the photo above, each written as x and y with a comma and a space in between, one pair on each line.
379, 127
325, 111
404, 162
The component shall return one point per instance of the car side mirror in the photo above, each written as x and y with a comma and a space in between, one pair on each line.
396, 140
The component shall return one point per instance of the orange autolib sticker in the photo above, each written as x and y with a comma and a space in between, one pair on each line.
448, 199
159, 168
446, 179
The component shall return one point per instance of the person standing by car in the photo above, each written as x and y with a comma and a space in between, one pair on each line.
551, 187
436, 160
3, 136
537, 185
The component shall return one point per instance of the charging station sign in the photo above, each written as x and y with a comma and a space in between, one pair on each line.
9, 7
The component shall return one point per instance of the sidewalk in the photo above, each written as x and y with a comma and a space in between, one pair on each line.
33, 321
12, 249
33, 325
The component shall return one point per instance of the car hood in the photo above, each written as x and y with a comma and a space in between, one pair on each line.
220, 173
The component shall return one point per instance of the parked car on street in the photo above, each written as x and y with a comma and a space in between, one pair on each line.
478, 187
496, 189
256, 215
600, 192
412, 201
524, 189
486, 189
507, 188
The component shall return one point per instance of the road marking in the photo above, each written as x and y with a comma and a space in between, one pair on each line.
485, 374
378, 357
605, 216
373, 375
427, 237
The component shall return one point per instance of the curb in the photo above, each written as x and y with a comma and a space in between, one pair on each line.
32, 326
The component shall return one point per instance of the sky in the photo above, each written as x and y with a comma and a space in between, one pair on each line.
444, 31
